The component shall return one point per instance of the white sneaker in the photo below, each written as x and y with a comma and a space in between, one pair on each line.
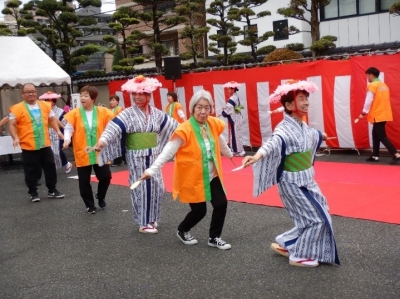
219, 243
68, 167
302, 262
148, 229
186, 238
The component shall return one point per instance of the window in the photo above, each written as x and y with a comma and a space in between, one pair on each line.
345, 8
281, 30
220, 43
253, 29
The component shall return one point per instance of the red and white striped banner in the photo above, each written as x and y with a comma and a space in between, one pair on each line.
333, 109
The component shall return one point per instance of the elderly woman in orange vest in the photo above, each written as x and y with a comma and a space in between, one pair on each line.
198, 144
85, 125
174, 108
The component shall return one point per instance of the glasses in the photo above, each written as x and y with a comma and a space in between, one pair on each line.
200, 108
30, 92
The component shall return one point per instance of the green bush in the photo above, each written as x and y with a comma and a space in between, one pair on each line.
240, 58
265, 50
295, 47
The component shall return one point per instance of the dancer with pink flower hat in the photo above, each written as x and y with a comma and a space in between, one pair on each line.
144, 131
56, 144
232, 111
286, 159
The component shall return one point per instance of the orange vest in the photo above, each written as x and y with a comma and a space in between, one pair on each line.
25, 127
175, 115
188, 170
79, 142
117, 110
380, 108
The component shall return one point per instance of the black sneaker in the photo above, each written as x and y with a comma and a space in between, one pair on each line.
102, 203
55, 194
91, 210
35, 198
186, 238
395, 161
372, 159
219, 243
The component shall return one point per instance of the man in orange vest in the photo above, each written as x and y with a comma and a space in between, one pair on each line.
29, 128
378, 110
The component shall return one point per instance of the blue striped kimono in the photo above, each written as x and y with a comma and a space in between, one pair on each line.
312, 237
147, 197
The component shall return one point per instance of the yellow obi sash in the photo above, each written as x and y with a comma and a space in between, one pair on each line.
298, 161
139, 141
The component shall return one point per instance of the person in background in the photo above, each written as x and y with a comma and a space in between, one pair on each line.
57, 144
232, 111
3, 121
84, 126
146, 130
174, 108
28, 126
116, 109
378, 110
286, 159
67, 107
198, 144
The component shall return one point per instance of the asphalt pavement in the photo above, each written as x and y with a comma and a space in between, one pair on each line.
54, 249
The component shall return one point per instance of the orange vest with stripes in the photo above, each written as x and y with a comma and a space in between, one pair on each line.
25, 127
79, 142
188, 171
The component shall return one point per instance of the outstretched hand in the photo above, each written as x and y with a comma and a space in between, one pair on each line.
145, 176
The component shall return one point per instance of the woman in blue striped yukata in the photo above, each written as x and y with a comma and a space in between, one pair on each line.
287, 159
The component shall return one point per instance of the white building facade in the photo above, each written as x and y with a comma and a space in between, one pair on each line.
353, 22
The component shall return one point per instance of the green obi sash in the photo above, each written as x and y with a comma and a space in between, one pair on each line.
298, 161
139, 141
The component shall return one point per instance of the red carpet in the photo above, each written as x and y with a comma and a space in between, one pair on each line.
353, 190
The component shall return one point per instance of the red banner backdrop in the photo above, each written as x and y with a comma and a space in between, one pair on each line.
333, 109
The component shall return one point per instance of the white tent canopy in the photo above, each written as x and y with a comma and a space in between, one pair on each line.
22, 61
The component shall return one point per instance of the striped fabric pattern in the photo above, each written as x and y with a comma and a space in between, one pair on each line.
298, 161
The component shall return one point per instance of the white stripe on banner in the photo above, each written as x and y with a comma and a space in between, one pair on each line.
341, 102
316, 107
196, 88
263, 108
219, 102
120, 94
163, 96
180, 91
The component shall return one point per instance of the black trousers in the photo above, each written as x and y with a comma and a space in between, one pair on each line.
103, 174
34, 162
199, 210
378, 136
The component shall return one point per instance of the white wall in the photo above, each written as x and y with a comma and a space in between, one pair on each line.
354, 31
363, 30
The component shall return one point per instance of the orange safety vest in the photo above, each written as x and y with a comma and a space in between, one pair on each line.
175, 115
116, 110
381, 109
79, 142
25, 127
188, 171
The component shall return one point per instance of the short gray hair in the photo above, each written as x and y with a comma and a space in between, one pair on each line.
201, 95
